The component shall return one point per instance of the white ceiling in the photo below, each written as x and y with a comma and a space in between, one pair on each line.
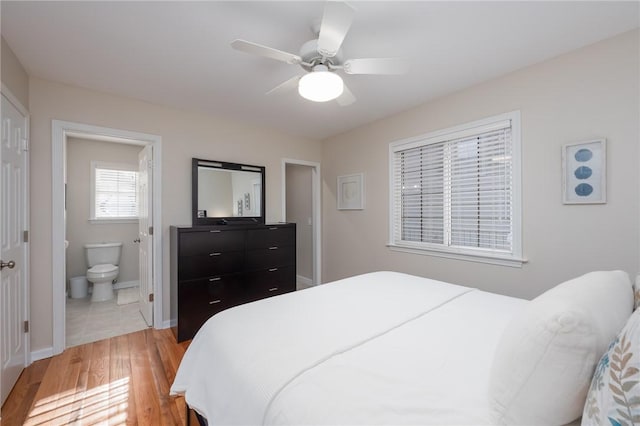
177, 53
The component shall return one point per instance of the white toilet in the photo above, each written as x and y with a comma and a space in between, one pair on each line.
103, 260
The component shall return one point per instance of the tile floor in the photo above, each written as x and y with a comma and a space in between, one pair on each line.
88, 322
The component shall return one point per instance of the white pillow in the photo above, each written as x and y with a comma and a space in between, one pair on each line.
546, 357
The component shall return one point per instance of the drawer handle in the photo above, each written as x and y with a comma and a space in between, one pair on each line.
273, 248
273, 269
273, 289
273, 229
215, 254
214, 230
215, 279
213, 302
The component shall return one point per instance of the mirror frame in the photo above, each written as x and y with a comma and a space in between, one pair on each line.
223, 165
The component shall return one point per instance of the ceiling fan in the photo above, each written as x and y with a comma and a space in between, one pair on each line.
322, 57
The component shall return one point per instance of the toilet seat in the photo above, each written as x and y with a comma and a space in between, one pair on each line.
102, 272
103, 269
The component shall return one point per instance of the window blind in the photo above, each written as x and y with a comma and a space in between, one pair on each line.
115, 193
456, 191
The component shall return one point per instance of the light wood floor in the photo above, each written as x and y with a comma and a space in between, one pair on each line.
124, 380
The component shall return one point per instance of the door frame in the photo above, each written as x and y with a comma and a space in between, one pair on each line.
316, 209
6, 92
60, 130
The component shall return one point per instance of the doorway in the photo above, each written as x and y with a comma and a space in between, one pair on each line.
101, 227
63, 133
301, 205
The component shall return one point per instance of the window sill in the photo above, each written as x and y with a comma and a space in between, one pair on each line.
112, 221
512, 262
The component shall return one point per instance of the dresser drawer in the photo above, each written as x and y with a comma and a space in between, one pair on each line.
272, 281
210, 241
189, 324
201, 299
213, 292
273, 257
271, 236
207, 265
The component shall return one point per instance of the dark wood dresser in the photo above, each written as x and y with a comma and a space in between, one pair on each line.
217, 267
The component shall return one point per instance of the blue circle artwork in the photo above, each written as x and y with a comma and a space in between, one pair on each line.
584, 190
583, 172
583, 155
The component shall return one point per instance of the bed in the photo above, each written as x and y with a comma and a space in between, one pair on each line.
380, 348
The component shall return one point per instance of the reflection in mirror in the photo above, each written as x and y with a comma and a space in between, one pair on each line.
224, 192
220, 190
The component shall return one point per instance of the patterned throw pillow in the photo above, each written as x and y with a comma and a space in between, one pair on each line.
614, 395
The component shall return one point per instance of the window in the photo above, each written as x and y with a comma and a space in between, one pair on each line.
114, 192
456, 192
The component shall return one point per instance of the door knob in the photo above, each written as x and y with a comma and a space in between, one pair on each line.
10, 264
137, 240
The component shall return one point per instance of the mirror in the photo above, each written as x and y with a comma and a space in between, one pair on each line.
224, 193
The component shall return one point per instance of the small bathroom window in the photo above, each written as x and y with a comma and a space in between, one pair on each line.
114, 194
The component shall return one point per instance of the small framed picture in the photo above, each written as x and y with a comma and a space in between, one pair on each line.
351, 192
584, 172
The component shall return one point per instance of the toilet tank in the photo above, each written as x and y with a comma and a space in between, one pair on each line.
103, 253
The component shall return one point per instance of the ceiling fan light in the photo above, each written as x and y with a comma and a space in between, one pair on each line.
320, 86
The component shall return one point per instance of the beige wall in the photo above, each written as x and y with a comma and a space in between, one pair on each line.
80, 154
590, 93
184, 135
13, 75
299, 211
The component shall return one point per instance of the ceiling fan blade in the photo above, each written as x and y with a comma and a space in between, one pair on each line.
288, 85
346, 98
388, 66
269, 52
336, 21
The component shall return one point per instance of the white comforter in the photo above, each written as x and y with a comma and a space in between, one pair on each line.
379, 348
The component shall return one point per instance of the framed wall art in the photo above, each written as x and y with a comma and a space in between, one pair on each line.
584, 174
351, 192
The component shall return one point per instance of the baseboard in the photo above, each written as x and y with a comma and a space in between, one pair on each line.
308, 282
41, 354
170, 323
126, 284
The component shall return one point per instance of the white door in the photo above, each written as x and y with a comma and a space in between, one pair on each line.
145, 221
13, 252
